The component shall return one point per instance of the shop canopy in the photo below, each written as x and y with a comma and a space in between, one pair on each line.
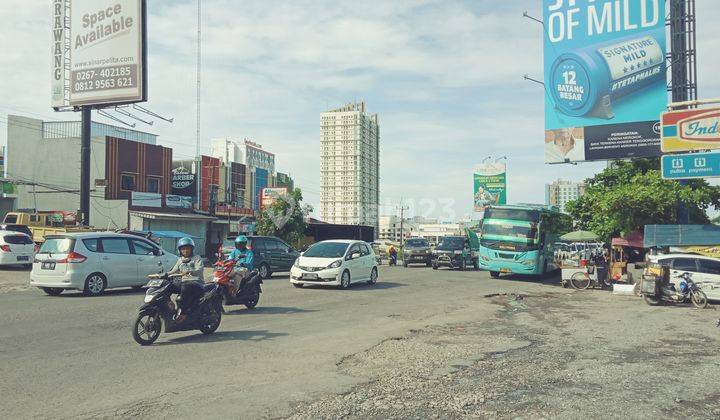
633, 240
579, 236
681, 235
171, 234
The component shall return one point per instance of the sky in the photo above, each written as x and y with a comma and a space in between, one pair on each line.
444, 76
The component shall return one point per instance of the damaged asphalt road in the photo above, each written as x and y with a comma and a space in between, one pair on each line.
419, 344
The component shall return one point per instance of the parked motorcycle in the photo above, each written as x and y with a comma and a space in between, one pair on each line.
160, 311
238, 285
662, 290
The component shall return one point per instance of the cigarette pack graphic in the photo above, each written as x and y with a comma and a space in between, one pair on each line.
584, 82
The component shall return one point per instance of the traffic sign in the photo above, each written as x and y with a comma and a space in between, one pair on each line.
691, 165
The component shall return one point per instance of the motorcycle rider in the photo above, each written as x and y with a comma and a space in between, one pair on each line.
242, 254
393, 255
190, 266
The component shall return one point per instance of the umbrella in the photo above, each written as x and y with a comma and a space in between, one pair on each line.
579, 236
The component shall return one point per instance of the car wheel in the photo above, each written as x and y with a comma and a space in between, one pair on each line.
95, 285
373, 276
52, 291
345, 280
495, 274
264, 271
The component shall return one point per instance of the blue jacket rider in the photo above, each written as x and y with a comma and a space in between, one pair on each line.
242, 254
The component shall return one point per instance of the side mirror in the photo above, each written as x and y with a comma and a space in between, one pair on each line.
157, 252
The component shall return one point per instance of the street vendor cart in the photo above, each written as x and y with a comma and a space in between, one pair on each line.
627, 258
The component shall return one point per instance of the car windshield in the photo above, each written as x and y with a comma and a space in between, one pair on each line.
416, 243
17, 240
451, 243
326, 250
57, 246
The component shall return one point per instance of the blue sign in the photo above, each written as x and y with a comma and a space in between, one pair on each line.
605, 78
691, 165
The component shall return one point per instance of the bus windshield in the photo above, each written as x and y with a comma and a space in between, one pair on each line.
513, 233
512, 214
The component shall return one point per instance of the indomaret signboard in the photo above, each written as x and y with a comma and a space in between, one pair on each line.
99, 53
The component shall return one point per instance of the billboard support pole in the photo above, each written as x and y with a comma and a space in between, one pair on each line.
86, 126
683, 85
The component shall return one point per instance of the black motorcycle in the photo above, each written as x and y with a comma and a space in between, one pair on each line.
238, 286
660, 289
159, 310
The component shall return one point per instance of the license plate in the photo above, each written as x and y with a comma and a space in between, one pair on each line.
504, 270
310, 276
48, 265
23, 258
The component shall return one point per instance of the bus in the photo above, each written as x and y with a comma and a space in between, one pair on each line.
521, 238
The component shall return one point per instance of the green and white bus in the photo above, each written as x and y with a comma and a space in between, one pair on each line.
521, 238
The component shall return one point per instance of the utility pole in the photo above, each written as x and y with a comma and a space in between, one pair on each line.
198, 93
86, 126
402, 223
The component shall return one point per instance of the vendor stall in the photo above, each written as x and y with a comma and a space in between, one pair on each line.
627, 258
572, 262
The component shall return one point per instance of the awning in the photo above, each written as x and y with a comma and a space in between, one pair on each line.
172, 216
633, 240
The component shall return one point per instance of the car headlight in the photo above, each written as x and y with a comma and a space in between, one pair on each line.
529, 262
297, 262
484, 258
335, 264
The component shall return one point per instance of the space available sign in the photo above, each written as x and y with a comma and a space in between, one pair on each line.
107, 53
183, 182
489, 185
604, 66
691, 130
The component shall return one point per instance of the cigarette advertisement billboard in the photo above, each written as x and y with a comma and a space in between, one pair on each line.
605, 79
489, 185
100, 52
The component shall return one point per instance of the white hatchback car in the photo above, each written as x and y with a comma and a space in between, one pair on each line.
705, 271
335, 263
16, 248
93, 262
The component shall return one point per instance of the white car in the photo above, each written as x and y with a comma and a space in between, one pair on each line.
335, 263
93, 262
705, 271
16, 248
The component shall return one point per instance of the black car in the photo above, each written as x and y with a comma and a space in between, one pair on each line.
454, 252
417, 251
271, 254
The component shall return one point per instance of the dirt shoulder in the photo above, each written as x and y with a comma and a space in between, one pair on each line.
581, 355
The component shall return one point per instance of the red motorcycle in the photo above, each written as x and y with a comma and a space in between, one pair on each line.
238, 285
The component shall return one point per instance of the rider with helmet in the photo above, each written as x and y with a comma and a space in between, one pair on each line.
190, 266
242, 254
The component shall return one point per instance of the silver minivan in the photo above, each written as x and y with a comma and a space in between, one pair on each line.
96, 261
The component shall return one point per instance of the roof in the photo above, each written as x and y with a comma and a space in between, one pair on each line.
344, 241
633, 240
171, 216
14, 232
81, 235
680, 235
174, 234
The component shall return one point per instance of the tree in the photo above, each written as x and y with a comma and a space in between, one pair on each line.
285, 218
631, 194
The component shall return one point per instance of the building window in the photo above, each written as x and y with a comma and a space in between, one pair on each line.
153, 185
127, 182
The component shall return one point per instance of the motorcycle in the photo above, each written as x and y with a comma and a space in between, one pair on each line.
160, 311
661, 290
238, 286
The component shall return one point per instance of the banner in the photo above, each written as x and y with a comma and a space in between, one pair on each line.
691, 130
270, 196
178, 201
489, 185
143, 199
605, 79
106, 54
183, 182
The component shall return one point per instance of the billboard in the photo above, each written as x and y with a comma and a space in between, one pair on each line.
100, 51
691, 130
489, 185
605, 79
270, 196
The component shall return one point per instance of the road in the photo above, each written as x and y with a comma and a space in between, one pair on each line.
319, 352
